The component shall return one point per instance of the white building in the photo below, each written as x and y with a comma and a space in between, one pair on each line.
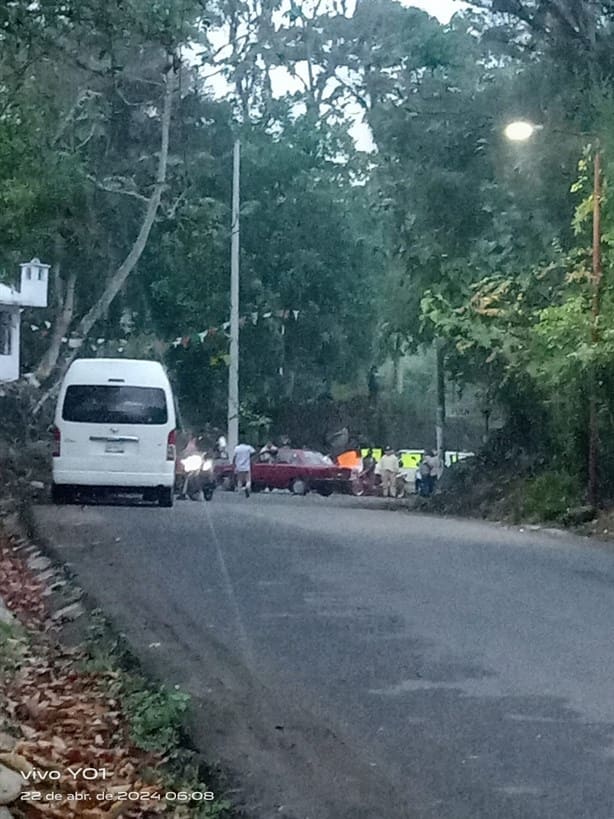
32, 293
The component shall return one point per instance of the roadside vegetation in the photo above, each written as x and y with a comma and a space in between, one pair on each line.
87, 708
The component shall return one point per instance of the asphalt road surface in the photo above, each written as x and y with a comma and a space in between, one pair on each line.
352, 663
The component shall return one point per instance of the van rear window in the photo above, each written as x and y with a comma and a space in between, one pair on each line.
102, 404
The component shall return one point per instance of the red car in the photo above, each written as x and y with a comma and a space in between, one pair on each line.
298, 470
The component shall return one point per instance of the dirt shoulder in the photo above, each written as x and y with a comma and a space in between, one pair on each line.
82, 732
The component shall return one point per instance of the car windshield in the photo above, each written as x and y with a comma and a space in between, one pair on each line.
105, 404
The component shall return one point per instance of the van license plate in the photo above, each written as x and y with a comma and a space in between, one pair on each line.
114, 447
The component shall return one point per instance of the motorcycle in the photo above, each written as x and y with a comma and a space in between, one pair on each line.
194, 477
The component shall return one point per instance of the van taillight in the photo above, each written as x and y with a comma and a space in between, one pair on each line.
170, 445
57, 442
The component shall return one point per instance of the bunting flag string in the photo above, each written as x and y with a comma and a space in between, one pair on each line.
184, 341
254, 316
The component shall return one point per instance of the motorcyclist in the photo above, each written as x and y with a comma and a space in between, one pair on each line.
196, 445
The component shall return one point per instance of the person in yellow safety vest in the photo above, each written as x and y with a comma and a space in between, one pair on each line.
389, 466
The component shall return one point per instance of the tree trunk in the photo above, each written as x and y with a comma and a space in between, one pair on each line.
67, 307
117, 279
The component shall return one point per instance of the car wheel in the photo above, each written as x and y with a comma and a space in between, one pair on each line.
166, 497
298, 487
325, 491
358, 489
208, 494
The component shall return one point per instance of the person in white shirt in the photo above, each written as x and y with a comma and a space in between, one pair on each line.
389, 466
242, 460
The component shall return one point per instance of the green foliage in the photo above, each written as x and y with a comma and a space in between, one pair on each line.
446, 232
155, 714
549, 496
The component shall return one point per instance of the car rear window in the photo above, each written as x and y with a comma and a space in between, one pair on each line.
105, 404
315, 459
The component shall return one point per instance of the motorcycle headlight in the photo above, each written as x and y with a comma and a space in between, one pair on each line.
191, 463
207, 465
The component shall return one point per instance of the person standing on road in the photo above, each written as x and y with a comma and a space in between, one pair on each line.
434, 462
368, 469
429, 472
242, 460
389, 466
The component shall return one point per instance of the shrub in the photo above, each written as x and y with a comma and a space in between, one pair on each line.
548, 496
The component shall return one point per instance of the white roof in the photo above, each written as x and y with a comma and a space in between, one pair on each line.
101, 370
8, 295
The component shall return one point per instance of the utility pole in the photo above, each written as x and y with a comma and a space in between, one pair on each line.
441, 401
233, 368
593, 424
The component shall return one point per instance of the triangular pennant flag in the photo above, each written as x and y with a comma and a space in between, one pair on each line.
202, 336
48, 325
177, 342
267, 315
225, 325
34, 327
295, 314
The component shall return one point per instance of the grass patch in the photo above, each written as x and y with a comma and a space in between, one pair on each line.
155, 714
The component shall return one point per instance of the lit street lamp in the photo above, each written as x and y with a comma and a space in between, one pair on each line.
520, 131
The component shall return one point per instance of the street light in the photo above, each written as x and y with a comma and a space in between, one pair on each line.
520, 131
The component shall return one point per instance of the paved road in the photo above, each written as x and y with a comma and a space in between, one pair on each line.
353, 663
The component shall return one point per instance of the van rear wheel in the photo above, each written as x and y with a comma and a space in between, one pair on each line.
61, 493
166, 497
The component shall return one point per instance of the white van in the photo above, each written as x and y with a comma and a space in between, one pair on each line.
115, 428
